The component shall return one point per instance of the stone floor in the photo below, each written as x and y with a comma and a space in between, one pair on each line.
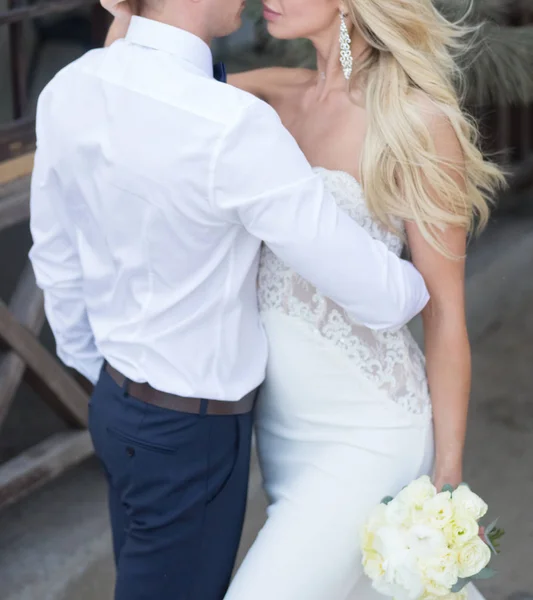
500, 443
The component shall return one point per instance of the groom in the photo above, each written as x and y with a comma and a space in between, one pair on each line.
154, 185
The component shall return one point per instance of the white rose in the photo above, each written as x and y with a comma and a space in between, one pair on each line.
438, 511
473, 557
367, 542
373, 566
417, 492
435, 590
409, 580
375, 521
426, 542
398, 592
462, 595
441, 571
461, 529
391, 590
465, 500
402, 579
398, 513
377, 518
372, 559
391, 542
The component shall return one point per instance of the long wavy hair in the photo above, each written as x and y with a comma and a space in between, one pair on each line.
411, 49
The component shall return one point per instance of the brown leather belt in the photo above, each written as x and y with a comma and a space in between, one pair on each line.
146, 393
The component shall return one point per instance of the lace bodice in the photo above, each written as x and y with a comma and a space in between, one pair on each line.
392, 360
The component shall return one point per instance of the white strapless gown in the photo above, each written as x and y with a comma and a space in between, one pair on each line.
344, 419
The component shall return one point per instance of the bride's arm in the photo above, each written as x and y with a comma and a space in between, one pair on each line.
446, 339
257, 81
268, 82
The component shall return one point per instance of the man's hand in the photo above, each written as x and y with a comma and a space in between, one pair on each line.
120, 9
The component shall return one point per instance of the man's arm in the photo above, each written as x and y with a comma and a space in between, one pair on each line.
57, 266
261, 179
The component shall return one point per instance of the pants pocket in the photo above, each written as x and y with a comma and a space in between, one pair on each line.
223, 457
136, 442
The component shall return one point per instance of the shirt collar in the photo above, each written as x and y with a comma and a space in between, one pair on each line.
160, 36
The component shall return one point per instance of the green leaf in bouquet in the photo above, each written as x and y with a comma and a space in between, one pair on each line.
491, 527
490, 545
387, 499
461, 584
485, 573
448, 488
493, 536
494, 539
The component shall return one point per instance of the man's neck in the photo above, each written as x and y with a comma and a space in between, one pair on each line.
184, 21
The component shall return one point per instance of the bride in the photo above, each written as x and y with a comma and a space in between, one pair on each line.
348, 415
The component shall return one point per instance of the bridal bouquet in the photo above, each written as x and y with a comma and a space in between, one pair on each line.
426, 545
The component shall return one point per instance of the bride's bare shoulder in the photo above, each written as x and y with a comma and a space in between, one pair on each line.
269, 82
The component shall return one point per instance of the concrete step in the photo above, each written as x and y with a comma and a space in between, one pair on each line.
55, 544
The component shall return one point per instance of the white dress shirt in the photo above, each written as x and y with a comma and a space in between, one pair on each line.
154, 185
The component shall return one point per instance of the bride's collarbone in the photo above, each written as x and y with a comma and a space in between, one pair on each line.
330, 134
334, 146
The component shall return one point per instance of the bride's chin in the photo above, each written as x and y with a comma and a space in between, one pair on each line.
277, 34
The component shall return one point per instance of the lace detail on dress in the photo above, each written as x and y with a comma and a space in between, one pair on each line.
392, 360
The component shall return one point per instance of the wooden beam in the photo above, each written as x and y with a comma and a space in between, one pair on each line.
16, 168
18, 63
17, 138
27, 307
38, 465
45, 374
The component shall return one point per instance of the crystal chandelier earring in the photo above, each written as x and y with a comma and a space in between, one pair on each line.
346, 49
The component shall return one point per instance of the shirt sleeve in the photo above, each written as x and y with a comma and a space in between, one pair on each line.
57, 265
261, 179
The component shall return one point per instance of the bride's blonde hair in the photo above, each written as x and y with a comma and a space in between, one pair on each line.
410, 53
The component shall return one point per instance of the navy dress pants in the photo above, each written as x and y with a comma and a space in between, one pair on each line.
177, 494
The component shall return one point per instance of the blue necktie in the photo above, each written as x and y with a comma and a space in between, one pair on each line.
219, 72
